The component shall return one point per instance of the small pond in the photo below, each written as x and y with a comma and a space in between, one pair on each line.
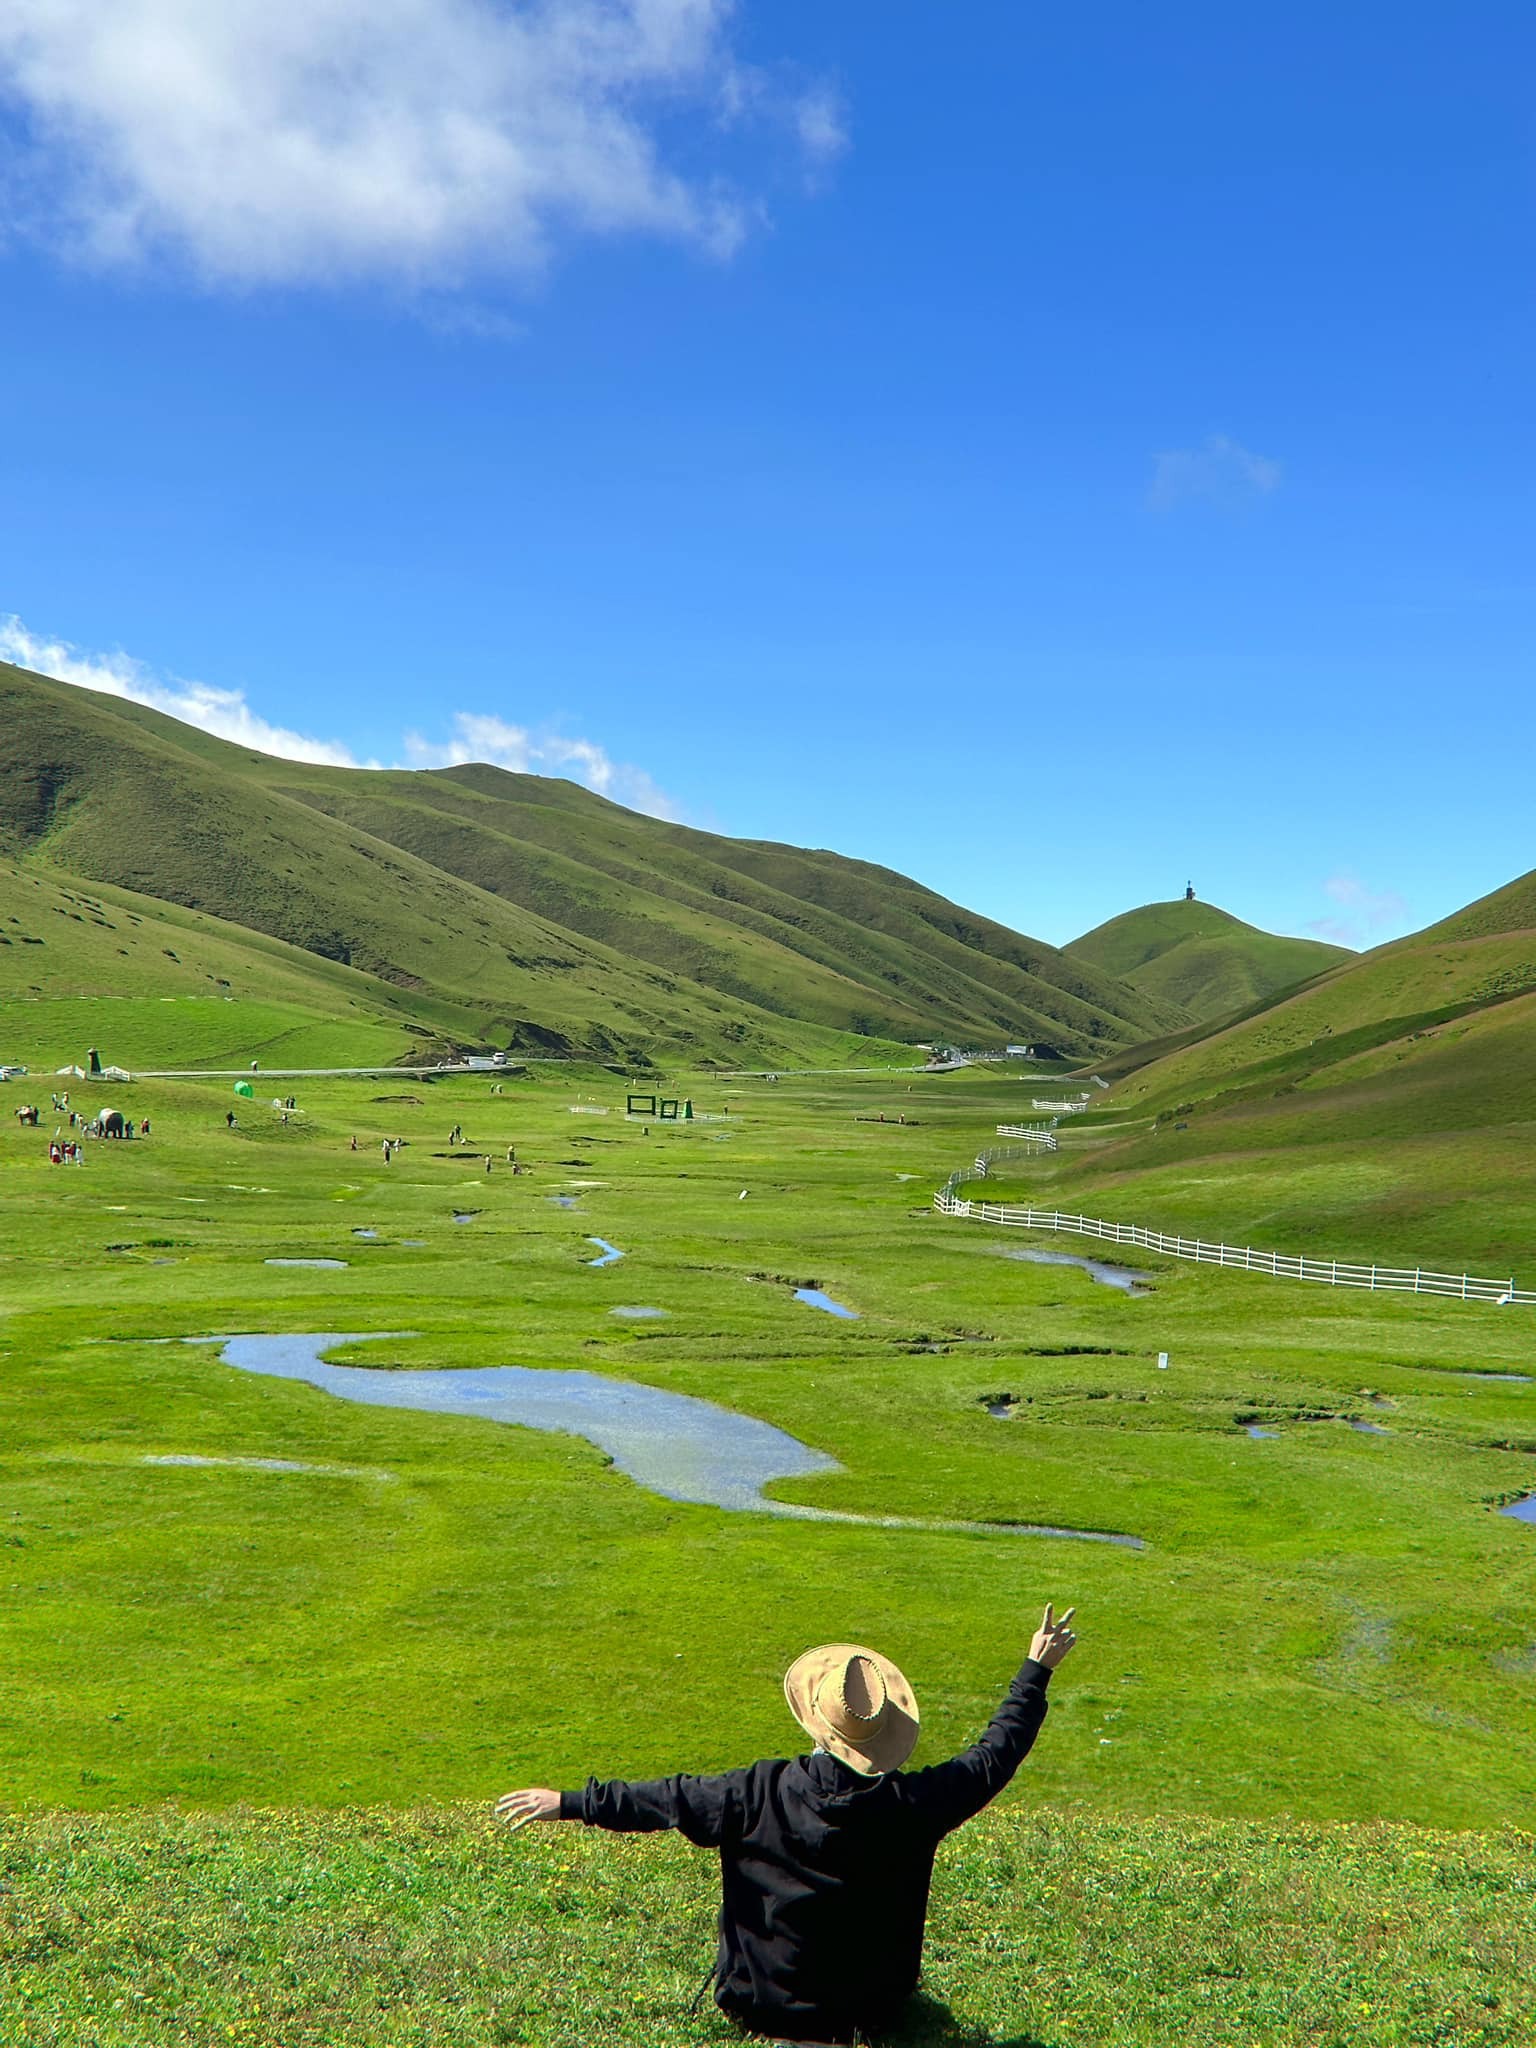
639, 1315
562, 1201
814, 1298
610, 1252
671, 1444
1262, 1435
1126, 1278
1522, 1510
465, 1215
319, 1265
1368, 1428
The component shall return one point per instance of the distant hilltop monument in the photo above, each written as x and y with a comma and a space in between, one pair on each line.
1189, 892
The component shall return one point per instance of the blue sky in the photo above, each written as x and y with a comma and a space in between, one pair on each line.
1051, 452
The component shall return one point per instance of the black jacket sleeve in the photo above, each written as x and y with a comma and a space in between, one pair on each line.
705, 1810
947, 1794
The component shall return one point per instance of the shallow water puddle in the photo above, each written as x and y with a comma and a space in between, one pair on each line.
319, 1265
1522, 1510
814, 1298
371, 1235
562, 1201
1263, 1435
611, 1252
671, 1444
1368, 1428
1126, 1278
465, 1215
639, 1314
267, 1465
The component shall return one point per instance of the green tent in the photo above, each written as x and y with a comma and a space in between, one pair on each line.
244, 1088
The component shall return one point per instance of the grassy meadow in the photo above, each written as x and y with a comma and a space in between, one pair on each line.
1327, 1631
1329, 1623
1047, 1930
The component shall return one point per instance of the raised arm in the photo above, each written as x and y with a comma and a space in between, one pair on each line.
947, 1794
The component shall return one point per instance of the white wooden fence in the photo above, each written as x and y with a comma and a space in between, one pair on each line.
1282, 1265
1039, 1136
1060, 1108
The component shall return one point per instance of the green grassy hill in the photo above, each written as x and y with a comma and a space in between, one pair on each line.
548, 914
1385, 1109
85, 964
1195, 959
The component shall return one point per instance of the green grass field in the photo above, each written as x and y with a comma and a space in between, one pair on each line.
1048, 1930
1326, 1627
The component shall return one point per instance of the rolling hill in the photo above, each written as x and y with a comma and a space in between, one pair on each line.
475, 904
1385, 1109
1192, 958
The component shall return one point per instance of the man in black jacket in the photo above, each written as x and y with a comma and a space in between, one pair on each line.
825, 1861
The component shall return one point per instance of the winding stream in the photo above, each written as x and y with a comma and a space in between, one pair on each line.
671, 1444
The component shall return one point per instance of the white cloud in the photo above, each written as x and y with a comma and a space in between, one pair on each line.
475, 736
478, 736
224, 713
426, 142
1368, 914
1220, 471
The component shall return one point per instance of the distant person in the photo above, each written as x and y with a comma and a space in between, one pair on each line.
388, 1152
826, 1860
354, 1141
144, 1128
229, 1119
511, 1155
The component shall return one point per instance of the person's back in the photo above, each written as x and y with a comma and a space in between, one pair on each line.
826, 1859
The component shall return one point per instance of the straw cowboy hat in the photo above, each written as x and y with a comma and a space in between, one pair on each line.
856, 1704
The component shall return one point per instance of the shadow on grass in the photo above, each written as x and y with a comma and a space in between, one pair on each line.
928, 2024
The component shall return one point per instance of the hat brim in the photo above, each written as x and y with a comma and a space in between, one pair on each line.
895, 1738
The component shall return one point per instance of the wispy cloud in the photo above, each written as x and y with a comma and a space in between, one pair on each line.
1220, 471
424, 142
473, 736
478, 736
224, 713
1367, 916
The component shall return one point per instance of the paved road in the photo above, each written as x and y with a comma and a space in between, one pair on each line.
339, 1073
489, 1073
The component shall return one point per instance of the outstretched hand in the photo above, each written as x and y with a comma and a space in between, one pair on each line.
1053, 1639
535, 1802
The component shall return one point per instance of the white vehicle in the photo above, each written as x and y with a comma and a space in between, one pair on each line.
12, 1073
479, 1063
